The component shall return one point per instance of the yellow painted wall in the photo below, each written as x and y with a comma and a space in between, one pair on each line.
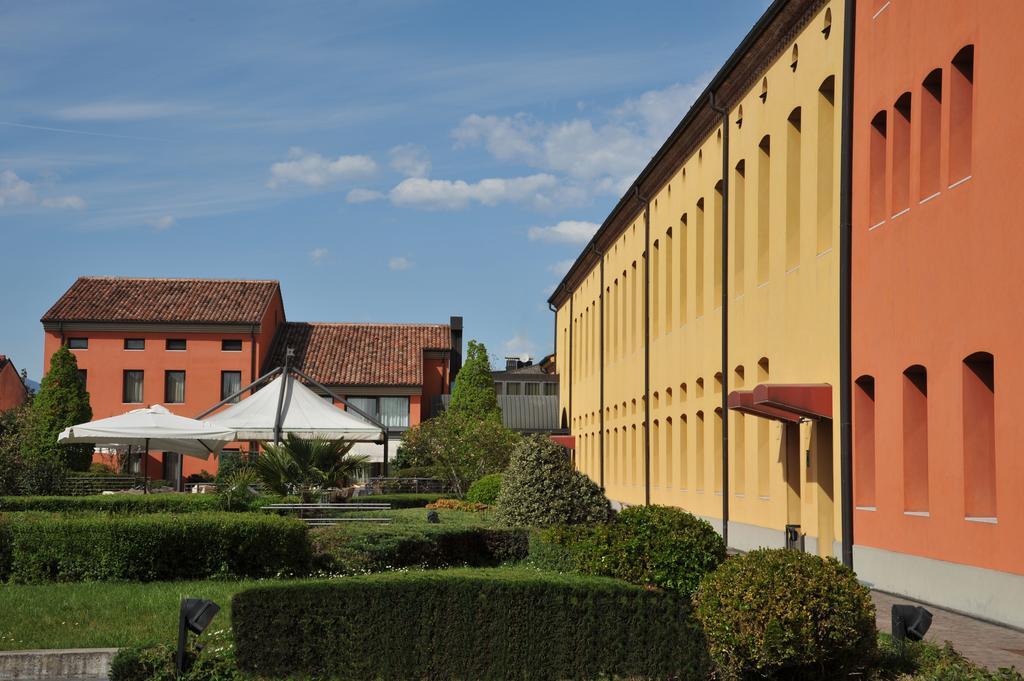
783, 308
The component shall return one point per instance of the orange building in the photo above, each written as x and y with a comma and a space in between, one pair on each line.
936, 244
12, 390
190, 343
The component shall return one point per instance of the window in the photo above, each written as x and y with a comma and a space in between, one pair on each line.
655, 288
78, 343
979, 436
669, 442
655, 454
699, 269
794, 58
176, 344
684, 268
764, 192
513, 389
134, 344
230, 383
763, 439
132, 391
826, 162
717, 245
84, 375
915, 440
931, 133
551, 388
394, 412
739, 439
826, 29
879, 136
367, 405
683, 449
231, 345
864, 441
961, 114
174, 386
901, 154
531, 388
668, 280
717, 449
793, 163
739, 210
499, 388
699, 452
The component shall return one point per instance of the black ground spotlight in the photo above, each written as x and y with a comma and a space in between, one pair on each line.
195, 615
909, 622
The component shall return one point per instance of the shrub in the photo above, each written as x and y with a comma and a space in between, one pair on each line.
458, 505
473, 624
62, 401
540, 488
658, 545
343, 550
774, 613
47, 547
398, 501
474, 394
485, 490
120, 504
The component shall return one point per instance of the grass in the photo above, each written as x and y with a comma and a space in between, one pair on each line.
103, 614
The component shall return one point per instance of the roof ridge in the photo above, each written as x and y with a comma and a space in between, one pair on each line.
405, 324
201, 279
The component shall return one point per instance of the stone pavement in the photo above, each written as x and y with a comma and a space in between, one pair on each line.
981, 642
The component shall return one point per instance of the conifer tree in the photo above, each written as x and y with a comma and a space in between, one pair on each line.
62, 401
474, 394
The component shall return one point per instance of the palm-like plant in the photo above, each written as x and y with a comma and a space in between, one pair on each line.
307, 466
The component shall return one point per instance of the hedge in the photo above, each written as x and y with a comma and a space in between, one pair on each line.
346, 550
471, 624
114, 503
52, 548
399, 500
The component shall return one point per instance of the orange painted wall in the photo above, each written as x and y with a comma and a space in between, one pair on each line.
941, 281
12, 391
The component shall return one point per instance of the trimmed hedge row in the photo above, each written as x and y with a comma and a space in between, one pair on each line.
42, 547
397, 501
113, 503
472, 624
340, 550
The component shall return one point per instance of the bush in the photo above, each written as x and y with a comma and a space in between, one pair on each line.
458, 505
398, 501
119, 504
658, 545
472, 624
47, 547
343, 550
776, 613
62, 401
540, 488
485, 490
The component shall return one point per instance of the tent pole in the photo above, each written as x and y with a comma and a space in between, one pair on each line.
280, 396
145, 468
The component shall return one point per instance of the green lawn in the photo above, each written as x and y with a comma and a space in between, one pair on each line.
102, 615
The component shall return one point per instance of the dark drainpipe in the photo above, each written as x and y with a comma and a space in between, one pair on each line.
647, 345
845, 288
724, 113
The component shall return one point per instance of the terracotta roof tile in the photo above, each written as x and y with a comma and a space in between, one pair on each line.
205, 301
360, 354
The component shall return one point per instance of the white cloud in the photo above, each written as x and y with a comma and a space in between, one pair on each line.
410, 160
359, 195
163, 222
596, 156
518, 345
318, 255
313, 170
399, 263
14, 191
122, 111
540, 191
565, 232
71, 201
561, 267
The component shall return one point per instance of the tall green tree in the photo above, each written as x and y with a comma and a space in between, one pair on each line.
62, 401
474, 394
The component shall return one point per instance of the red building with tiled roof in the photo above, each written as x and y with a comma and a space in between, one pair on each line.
189, 343
12, 390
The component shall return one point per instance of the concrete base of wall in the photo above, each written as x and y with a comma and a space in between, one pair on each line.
986, 594
83, 664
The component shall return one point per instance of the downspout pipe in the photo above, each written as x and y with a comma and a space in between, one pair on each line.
846, 288
724, 113
646, 201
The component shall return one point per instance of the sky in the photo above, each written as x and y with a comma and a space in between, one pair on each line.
385, 160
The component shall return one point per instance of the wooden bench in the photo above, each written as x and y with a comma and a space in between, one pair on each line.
321, 520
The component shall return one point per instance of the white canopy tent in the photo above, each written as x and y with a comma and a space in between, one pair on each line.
153, 428
286, 406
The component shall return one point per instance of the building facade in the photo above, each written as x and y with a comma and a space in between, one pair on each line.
190, 343
13, 392
935, 346
716, 279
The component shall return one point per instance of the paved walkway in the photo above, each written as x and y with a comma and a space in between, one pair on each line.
987, 644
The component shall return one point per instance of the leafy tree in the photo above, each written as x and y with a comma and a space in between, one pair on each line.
460, 448
306, 466
474, 394
62, 401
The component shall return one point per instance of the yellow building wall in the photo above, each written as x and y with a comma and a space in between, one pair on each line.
783, 311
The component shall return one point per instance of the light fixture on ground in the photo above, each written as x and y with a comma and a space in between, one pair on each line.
909, 622
195, 615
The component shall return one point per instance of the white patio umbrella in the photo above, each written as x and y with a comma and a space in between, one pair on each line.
153, 427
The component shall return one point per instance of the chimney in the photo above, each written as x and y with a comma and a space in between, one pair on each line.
455, 324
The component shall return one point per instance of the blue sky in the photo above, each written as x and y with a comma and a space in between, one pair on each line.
385, 160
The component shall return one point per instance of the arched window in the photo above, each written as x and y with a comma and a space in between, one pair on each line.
739, 428
864, 442
684, 269
931, 134
879, 141
565, 420
717, 246
961, 115
915, 440
699, 452
764, 90
794, 57
717, 450
793, 187
979, 401
699, 247
764, 193
684, 444
826, 28
901, 116
826, 162
739, 237
763, 440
